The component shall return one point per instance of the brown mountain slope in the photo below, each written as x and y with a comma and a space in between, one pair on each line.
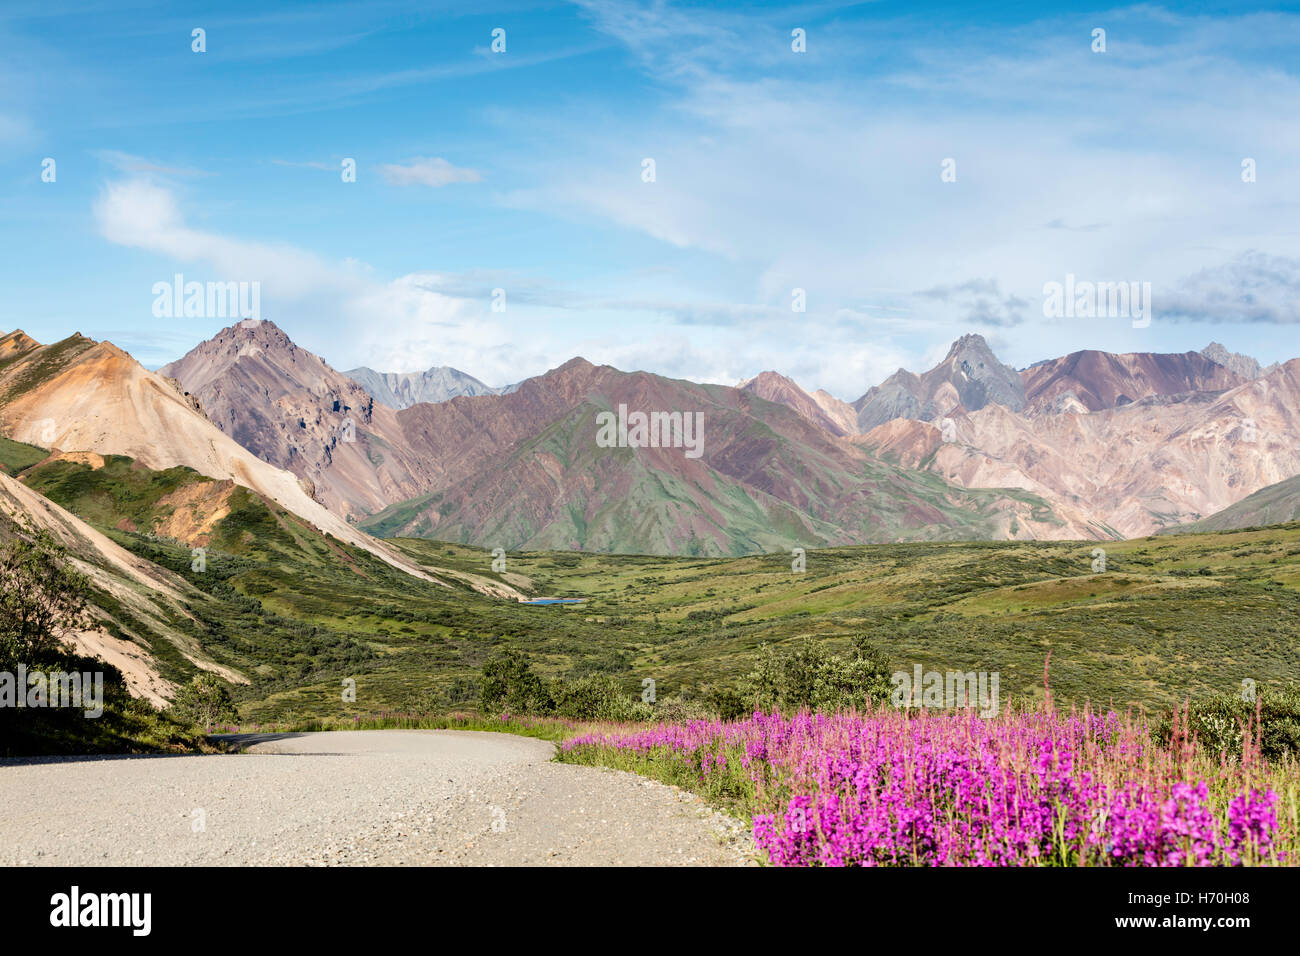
1274, 504
525, 470
522, 469
1104, 380
463, 456
290, 408
839, 411
16, 343
1134, 468
78, 395
822, 411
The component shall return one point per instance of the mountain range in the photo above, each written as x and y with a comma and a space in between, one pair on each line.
1091, 445
404, 389
1118, 445
260, 450
81, 396
522, 469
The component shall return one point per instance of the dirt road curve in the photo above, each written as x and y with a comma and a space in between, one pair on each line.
388, 797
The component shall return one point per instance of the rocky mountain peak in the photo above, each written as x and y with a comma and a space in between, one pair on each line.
970, 345
1243, 365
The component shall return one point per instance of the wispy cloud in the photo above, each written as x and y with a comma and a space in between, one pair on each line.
310, 164
398, 325
776, 171
127, 163
1086, 227
432, 171
828, 178
981, 302
428, 318
142, 214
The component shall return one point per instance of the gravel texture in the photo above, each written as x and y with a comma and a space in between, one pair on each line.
372, 797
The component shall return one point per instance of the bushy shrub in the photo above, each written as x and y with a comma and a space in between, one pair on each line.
1219, 720
595, 697
462, 690
806, 675
204, 701
508, 684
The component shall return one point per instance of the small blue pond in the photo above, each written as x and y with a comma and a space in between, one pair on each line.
554, 601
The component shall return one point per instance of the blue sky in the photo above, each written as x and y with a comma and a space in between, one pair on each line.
775, 170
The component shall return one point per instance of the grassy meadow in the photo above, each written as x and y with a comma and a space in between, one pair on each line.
295, 611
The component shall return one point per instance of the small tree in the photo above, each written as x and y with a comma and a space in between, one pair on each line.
204, 701
508, 683
42, 597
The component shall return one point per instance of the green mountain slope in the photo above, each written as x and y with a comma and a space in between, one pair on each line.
16, 455
766, 480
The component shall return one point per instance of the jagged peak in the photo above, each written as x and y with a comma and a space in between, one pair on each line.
971, 340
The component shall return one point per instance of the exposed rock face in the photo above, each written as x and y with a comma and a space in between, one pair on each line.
16, 343
1091, 445
1132, 468
822, 409
79, 395
400, 390
1098, 380
290, 408
1243, 365
522, 469
841, 412
970, 376
152, 593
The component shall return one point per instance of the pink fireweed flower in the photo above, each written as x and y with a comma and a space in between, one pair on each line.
958, 790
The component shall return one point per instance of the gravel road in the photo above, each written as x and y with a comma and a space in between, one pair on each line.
371, 797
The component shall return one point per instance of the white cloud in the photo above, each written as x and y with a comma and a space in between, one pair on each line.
1254, 287
144, 215
432, 172
336, 309
344, 313
1116, 167
1123, 166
